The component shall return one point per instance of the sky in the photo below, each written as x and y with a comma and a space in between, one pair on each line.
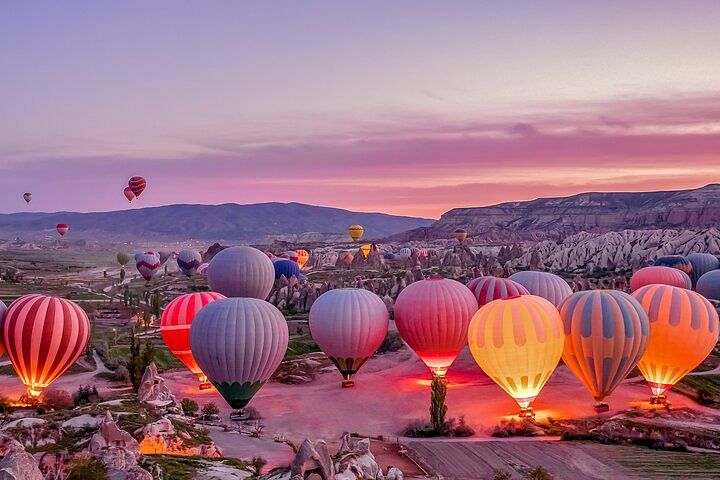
405, 107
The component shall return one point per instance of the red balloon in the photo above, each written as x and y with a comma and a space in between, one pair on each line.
137, 185
661, 276
62, 228
432, 316
43, 337
175, 327
129, 194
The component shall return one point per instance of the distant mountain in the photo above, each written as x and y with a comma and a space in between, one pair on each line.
250, 223
556, 218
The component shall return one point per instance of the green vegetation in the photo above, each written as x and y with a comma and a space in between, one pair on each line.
87, 468
185, 467
704, 388
189, 406
297, 348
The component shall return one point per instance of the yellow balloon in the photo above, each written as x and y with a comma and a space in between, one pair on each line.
303, 256
518, 342
365, 249
356, 232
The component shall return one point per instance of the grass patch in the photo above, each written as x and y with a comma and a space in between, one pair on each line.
297, 348
705, 389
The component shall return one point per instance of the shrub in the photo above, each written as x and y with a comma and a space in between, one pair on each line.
56, 399
514, 428
189, 406
210, 409
85, 395
256, 465
87, 468
539, 473
391, 343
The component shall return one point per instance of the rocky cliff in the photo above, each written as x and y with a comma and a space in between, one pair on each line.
556, 218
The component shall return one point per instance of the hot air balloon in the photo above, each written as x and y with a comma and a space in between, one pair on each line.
147, 264
517, 341
287, 268
348, 259
3, 309
405, 252
355, 232
661, 276
137, 185
175, 328
675, 261
432, 317
388, 256
709, 285
606, 333
164, 256
270, 255
202, 269
302, 256
473, 283
241, 272
27, 196
129, 194
62, 228
43, 336
701, 264
188, 261
460, 234
544, 284
123, 258
683, 331
488, 289
291, 255
348, 324
422, 252
239, 343
365, 250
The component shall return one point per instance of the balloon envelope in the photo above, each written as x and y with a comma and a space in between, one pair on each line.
405, 252
62, 228
241, 272
517, 341
606, 333
365, 250
123, 258
432, 317
683, 331
302, 257
488, 289
702, 263
129, 194
348, 324
188, 261
544, 284
659, 275
137, 185
43, 337
675, 261
27, 197
709, 285
355, 232
147, 265
202, 269
239, 343
348, 259
287, 268
460, 234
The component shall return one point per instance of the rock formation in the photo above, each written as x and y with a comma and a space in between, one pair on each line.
154, 391
114, 447
17, 464
161, 438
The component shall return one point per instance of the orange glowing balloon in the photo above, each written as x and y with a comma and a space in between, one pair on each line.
365, 250
302, 257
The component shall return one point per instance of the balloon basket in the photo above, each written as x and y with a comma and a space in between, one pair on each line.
238, 415
527, 413
205, 386
347, 384
659, 400
601, 407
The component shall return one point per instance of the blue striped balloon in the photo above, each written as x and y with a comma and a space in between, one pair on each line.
287, 268
702, 263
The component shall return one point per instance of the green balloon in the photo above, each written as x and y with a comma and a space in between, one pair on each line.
123, 258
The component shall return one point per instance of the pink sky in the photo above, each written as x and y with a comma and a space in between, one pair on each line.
410, 108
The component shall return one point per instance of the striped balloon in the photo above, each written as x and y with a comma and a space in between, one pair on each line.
709, 285
518, 343
43, 337
488, 289
241, 272
147, 264
62, 229
348, 324
675, 261
701, 264
660, 276
606, 333
405, 252
473, 283
202, 269
287, 268
188, 261
544, 284
175, 327
239, 343
683, 331
432, 317
137, 185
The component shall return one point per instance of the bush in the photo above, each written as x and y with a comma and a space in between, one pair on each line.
210, 409
256, 465
251, 413
514, 428
189, 406
56, 399
459, 428
87, 468
85, 395
539, 473
391, 343
451, 428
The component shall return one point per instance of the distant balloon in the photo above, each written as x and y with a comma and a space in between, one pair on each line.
365, 250
62, 228
517, 341
164, 256
709, 285
188, 261
405, 252
123, 258
683, 331
348, 259
287, 268
661, 276
675, 261
389, 256
137, 185
432, 317
488, 289
241, 272
460, 234
175, 328
129, 194
43, 337
202, 269
27, 197
348, 324
544, 284
147, 265
356, 232
239, 343
606, 334
270, 255
701, 264
302, 256
292, 255
422, 252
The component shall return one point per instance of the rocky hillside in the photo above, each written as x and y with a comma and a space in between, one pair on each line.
251, 223
556, 218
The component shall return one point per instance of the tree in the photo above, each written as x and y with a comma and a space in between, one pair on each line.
157, 303
438, 409
56, 399
189, 406
210, 409
257, 464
